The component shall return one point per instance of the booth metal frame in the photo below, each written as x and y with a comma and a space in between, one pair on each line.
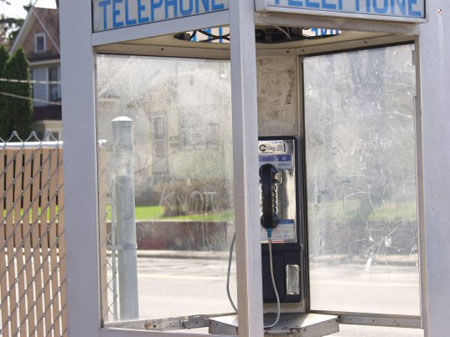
79, 46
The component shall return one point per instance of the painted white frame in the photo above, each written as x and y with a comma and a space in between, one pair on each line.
82, 241
80, 181
246, 164
434, 75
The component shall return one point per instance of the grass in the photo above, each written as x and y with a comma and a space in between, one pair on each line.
332, 210
148, 213
348, 210
30, 213
404, 211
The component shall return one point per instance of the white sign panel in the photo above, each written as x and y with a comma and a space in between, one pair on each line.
114, 14
396, 10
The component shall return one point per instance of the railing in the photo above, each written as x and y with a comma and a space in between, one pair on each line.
32, 252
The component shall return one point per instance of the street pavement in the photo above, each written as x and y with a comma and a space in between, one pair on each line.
172, 287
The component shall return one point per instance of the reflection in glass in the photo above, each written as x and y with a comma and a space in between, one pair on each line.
183, 178
361, 181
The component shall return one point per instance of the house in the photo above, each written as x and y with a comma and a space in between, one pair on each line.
39, 37
173, 124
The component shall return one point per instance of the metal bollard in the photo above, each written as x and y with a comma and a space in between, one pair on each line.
125, 216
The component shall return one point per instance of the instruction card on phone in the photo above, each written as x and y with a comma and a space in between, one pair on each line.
285, 232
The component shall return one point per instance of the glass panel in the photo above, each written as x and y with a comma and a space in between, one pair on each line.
183, 176
361, 181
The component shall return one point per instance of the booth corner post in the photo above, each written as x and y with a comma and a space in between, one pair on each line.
246, 184
434, 51
80, 169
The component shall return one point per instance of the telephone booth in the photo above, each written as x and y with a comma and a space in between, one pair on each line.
256, 167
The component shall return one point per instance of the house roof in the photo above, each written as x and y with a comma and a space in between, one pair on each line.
48, 18
51, 112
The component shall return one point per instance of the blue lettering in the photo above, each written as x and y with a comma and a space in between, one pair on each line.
412, 12
186, 12
400, 4
311, 4
295, 3
116, 13
154, 5
340, 4
127, 16
358, 6
378, 9
205, 6
220, 34
208, 31
141, 8
216, 7
103, 4
174, 4
326, 5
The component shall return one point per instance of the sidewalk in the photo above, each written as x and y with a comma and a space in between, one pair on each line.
393, 260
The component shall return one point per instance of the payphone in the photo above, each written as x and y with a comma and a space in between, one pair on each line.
282, 220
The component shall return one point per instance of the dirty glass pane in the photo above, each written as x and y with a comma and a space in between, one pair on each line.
179, 200
361, 181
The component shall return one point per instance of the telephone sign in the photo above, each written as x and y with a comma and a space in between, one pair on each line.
114, 14
394, 10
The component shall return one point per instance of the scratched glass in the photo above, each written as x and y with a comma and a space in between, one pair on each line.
361, 181
183, 177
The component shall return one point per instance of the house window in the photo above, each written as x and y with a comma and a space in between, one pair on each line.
54, 89
160, 151
39, 74
199, 128
39, 43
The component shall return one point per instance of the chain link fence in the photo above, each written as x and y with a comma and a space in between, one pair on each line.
32, 253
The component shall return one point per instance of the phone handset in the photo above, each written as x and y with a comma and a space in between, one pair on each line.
268, 174
269, 220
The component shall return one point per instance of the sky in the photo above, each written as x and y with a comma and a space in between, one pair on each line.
15, 9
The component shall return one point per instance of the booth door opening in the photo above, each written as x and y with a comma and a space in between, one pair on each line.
360, 136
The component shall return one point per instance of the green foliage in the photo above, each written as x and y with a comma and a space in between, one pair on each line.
4, 57
16, 113
9, 29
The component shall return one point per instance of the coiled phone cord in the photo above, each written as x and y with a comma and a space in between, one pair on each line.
230, 259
